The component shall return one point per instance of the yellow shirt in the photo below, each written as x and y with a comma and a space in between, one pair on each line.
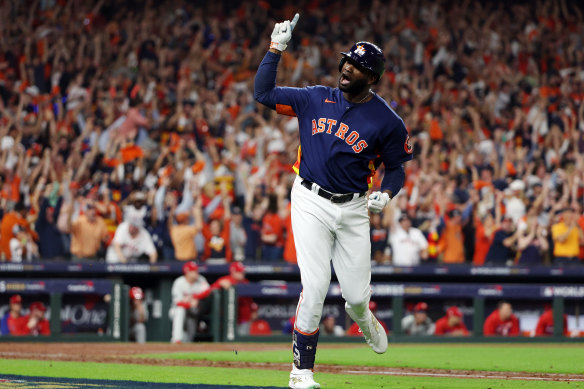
568, 248
183, 240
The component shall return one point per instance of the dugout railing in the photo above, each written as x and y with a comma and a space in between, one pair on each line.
393, 289
395, 296
113, 295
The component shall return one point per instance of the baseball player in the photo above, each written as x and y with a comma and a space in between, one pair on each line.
418, 323
345, 133
187, 292
13, 322
139, 315
35, 322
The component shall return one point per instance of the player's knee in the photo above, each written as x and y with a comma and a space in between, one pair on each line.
357, 303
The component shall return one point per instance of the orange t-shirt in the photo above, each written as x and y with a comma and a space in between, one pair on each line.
8, 222
10, 190
272, 224
289, 247
451, 243
482, 244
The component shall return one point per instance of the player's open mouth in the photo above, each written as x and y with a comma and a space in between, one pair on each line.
344, 79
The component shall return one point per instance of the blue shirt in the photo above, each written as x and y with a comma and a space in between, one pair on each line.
341, 143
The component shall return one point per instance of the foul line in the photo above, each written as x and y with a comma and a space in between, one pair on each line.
450, 375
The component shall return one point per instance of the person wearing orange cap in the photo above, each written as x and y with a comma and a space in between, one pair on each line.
12, 322
502, 321
138, 315
451, 324
418, 322
188, 293
354, 330
36, 323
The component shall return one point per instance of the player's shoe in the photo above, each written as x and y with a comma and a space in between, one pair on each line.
375, 335
372, 330
302, 379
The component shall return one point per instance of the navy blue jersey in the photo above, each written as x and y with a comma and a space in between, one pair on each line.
341, 143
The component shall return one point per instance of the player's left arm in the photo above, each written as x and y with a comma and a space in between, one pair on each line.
396, 149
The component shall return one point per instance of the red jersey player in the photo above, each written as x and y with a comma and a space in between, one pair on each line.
12, 322
502, 321
451, 324
545, 324
35, 322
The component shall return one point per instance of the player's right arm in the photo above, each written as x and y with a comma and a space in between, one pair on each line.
289, 101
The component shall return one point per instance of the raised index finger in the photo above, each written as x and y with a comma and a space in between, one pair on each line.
294, 21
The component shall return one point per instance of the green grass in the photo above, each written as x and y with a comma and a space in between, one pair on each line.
225, 376
544, 358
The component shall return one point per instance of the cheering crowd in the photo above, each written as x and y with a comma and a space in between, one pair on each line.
128, 130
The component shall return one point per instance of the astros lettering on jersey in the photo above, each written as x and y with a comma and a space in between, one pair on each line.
341, 143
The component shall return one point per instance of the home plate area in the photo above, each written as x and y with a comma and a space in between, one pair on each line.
16, 381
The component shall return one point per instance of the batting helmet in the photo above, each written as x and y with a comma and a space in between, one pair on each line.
366, 55
136, 293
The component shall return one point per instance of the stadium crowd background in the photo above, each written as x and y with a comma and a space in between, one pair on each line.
138, 117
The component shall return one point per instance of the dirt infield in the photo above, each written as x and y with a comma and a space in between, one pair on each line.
128, 353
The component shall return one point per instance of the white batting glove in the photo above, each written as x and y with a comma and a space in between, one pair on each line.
377, 201
283, 33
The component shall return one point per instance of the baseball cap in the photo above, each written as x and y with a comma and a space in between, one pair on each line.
16, 299
403, 216
237, 266
517, 185
139, 196
37, 305
136, 293
453, 311
421, 307
190, 266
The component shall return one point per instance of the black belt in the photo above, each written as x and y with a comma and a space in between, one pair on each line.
335, 198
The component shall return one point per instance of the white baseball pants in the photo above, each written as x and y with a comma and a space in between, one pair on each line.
181, 316
325, 231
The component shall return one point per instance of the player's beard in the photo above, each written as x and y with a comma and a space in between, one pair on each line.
355, 87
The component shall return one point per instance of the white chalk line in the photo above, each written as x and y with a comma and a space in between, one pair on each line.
451, 375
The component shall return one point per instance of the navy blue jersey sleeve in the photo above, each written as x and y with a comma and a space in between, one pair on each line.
396, 150
285, 100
